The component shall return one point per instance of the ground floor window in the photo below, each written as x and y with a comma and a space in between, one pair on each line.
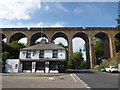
40, 65
53, 65
27, 65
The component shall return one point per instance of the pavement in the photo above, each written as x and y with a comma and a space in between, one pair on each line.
33, 80
33, 74
73, 79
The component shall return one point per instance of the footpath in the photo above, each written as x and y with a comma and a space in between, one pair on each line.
34, 74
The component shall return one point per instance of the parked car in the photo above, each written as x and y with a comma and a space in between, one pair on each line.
102, 69
111, 69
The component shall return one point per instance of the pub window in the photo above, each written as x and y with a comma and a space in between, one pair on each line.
16, 66
28, 54
55, 53
41, 54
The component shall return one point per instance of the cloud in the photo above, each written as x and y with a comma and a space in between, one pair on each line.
57, 25
60, 6
80, 0
46, 8
78, 43
40, 24
18, 9
78, 10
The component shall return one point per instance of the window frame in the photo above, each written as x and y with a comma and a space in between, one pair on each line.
28, 55
55, 54
41, 55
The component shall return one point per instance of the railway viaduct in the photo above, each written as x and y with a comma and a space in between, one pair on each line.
106, 34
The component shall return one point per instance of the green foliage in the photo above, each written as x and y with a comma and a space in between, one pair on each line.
112, 61
16, 45
118, 26
60, 44
0, 61
13, 49
104, 64
5, 55
84, 48
37, 43
95, 67
118, 21
117, 42
70, 62
83, 63
0, 57
75, 60
98, 49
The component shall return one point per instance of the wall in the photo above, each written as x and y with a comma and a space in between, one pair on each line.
11, 65
47, 54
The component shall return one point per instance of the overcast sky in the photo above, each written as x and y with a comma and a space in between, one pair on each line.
33, 13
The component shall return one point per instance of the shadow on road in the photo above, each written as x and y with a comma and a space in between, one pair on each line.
81, 71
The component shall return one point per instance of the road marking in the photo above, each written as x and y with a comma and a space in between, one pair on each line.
51, 78
81, 80
73, 77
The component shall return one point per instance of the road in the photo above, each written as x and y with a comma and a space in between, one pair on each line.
96, 79
76, 79
38, 81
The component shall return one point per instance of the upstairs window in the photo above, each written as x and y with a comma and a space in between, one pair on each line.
55, 53
41, 55
28, 55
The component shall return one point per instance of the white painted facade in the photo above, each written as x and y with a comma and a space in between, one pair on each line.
12, 65
47, 54
15, 65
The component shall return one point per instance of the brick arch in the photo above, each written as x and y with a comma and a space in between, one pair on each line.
59, 34
102, 35
117, 37
36, 36
82, 35
85, 37
106, 43
17, 36
2, 36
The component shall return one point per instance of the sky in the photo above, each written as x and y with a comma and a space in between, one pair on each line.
34, 13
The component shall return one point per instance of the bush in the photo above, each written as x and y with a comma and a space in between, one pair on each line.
5, 55
70, 63
95, 67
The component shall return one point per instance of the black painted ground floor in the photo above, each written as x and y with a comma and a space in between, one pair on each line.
46, 66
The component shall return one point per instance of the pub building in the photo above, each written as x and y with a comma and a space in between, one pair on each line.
41, 58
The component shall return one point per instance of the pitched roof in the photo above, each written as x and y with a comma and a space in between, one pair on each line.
47, 46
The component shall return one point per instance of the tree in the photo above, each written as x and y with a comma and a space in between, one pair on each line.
83, 64
84, 48
118, 20
14, 52
98, 50
77, 59
16, 45
5, 56
60, 44
117, 44
70, 62
37, 43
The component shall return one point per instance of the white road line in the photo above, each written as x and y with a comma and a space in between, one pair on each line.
73, 77
81, 80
